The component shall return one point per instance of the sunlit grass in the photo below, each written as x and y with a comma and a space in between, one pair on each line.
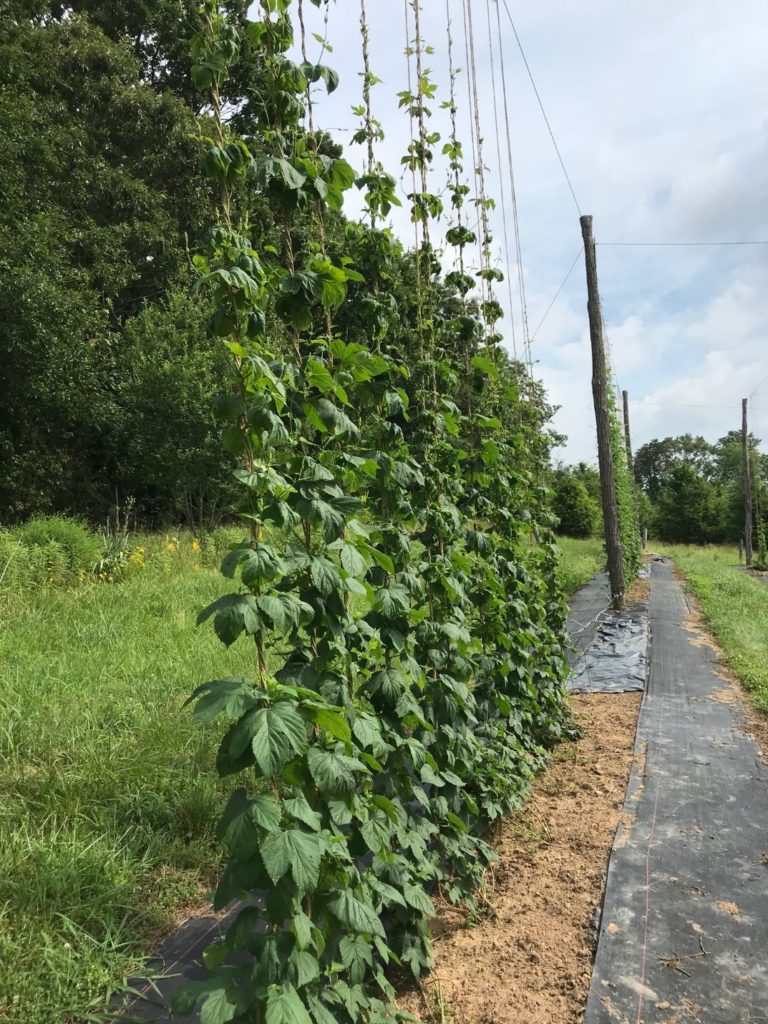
108, 794
736, 608
580, 560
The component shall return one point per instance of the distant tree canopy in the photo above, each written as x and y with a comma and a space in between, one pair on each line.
695, 487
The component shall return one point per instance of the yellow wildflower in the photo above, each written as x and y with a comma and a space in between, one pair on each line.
195, 545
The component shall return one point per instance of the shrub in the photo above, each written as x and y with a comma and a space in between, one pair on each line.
578, 513
81, 546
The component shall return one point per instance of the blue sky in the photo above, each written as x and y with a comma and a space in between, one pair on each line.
661, 113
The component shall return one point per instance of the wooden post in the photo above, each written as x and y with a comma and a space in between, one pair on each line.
627, 435
603, 422
746, 482
645, 538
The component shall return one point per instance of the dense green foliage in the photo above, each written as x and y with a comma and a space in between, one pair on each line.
735, 606
577, 510
626, 498
695, 491
396, 562
99, 847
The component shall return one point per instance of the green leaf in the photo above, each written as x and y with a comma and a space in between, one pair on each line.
299, 852
320, 1013
303, 968
220, 1007
244, 819
278, 734
298, 807
355, 914
329, 720
324, 575
232, 697
332, 771
352, 560
284, 1006
285, 611
302, 929
416, 897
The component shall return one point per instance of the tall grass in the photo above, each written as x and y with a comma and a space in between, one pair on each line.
735, 606
579, 561
107, 790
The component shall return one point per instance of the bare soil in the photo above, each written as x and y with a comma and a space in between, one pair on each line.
529, 959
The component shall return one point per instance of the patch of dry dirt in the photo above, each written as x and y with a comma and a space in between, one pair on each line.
529, 961
639, 591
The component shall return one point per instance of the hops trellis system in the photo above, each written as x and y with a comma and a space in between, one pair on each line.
397, 577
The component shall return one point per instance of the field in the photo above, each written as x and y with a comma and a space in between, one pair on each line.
107, 788
580, 560
735, 606
107, 791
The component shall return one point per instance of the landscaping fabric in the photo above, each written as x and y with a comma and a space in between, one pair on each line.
609, 650
684, 927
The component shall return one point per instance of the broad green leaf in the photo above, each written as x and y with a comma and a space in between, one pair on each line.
352, 560
297, 851
325, 575
355, 914
416, 897
298, 807
232, 697
332, 771
278, 734
284, 1006
220, 1007
245, 818
329, 720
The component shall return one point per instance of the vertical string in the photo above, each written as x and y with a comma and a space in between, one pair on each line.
502, 188
513, 190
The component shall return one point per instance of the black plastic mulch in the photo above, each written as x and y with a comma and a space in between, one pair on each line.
684, 929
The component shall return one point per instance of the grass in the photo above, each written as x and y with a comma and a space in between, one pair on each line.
107, 789
580, 560
735, 606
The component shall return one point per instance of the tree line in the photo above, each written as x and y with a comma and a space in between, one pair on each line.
689, 490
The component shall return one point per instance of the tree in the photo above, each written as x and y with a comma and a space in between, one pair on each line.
578, 512
654, 459
689, 508
100, 195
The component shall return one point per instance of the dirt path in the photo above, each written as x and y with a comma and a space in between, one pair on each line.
685, 925
529, 960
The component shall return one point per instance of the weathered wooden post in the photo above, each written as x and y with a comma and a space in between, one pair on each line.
613, 545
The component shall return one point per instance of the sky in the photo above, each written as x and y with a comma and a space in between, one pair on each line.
660, 111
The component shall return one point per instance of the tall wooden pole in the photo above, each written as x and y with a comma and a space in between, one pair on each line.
746, 480
603, 421
627, 434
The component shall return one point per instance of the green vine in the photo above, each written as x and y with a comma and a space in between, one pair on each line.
396, 576
629, 522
